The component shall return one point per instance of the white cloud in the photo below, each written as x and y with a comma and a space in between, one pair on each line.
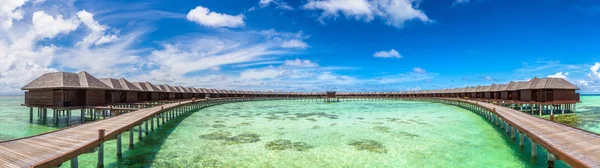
46, 26
419, 70
260, 73
488, 78
204, 16
457, 2
300, 63
359, 9
97, 36
10, 10
559, 75
387, 54
594, 71
294, 43
393, 12
278, 3
217, 68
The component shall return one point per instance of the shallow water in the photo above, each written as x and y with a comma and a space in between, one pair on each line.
398, 134
587, 115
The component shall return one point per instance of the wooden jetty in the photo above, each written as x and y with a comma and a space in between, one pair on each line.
511, 106
54, 148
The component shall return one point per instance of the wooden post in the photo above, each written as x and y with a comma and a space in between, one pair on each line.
131, 138
74, 162
140, 132
146, 126
521, 139
551, 158
101, 148
82, 117
69, 117
30, 114
152, 123
119, 153
533, 149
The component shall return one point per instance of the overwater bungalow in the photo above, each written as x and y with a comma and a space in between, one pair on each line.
122, 91
65, 89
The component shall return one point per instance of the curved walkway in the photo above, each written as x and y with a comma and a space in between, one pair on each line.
578, 148
54, 148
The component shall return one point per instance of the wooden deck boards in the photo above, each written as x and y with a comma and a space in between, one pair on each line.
29, 151
575, 145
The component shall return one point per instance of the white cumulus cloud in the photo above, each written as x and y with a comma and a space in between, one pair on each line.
392, 12
10, 10
294, 43
205, 17
419, 70
300, 63
98, 34
47, 26
559, 75
387, 54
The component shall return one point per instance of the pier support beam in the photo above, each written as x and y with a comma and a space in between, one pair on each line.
30, 114
513, 132
146, 127
101, 148
140, 132
551, 159
75, 162
119, 153
131, 138
69, 117
521, 139
533, 149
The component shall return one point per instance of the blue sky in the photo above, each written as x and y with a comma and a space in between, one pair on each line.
307, 45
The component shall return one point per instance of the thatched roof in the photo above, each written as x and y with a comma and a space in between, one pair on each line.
166, 88
120, 84
512, 86
553, 83
494, 88
65, 80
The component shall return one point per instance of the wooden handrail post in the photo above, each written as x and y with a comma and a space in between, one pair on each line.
101, 148
101, 135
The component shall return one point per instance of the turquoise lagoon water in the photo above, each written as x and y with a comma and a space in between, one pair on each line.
312, 134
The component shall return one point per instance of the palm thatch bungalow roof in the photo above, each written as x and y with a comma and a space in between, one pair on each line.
503, 87
119, 84
494, 88
65, 80
486, 88
512, 86
165, 88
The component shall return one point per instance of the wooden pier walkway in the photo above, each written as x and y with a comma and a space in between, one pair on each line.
578, 148
54, 148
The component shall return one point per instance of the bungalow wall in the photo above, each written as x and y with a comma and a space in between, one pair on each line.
163, 96
565, 95
524, 95
95, 98
115, 97
131, 97
504, 95
171, 96
488, 95
143, 96
154, 96
40, 98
